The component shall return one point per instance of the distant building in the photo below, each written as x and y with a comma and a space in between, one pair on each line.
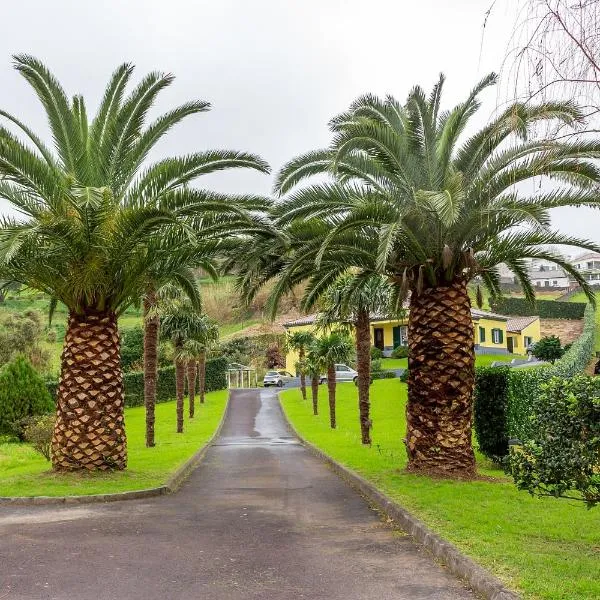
548, 276
589, 266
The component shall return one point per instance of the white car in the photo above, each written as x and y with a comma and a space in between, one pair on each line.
342, 373
277, 378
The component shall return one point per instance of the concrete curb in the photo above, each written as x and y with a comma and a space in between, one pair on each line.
479, 579
172, 485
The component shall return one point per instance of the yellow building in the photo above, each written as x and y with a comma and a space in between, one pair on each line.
494, 333
522, 332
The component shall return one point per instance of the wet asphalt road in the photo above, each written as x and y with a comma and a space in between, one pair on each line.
261, 518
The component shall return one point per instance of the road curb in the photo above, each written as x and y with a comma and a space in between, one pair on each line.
479, 579
172, 485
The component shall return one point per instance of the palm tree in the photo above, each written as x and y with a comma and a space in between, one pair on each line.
331, 349
184, 325
435, 210
90, 210
205, 337
313, 366
300, 341
352, 299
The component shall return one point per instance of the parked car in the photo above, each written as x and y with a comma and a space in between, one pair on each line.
342, 373
277, 378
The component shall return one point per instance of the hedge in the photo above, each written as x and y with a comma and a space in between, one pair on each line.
216, 379
504, 397
547, 309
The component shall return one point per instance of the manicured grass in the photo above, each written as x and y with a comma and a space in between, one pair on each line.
481, 360
544, 548
23, 472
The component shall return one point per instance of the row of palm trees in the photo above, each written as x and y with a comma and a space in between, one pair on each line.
401, 193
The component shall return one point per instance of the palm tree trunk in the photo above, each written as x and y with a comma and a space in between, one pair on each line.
89, 432
202, 374
363, 366
314, 389
179, 387
331, 391
191, 382
151, 333
441, 367
301, 355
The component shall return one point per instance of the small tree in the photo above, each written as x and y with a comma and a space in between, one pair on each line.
563, 459
548, 348
334, 348
312, 367
23, 394
300, 341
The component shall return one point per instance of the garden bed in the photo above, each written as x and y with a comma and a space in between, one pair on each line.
543, 548
23, 472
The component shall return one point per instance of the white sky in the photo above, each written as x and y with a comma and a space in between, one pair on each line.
274, 71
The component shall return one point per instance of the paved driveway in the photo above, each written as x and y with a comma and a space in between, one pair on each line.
261, 518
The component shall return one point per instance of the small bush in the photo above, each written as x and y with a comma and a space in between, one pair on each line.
564, 455
23, 393
38, 432
51, 336
376, 353
400, 352
404, 376
490, 404
548, 349
376, 366
274, 357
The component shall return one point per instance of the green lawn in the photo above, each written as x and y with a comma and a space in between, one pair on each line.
481, 360
544, 548
24, 472
581, 297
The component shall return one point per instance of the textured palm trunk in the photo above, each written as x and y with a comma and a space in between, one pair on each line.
89, 432
191, 383
331, 392
301, 355
179, 387
363, 366
151, 333
314, 390
441, 366
202, 374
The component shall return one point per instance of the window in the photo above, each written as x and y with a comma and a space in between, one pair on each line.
554, 283
481, 335
497, 336
341, 368
528, 341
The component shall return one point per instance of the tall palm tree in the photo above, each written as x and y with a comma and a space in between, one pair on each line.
205, 338
436, 209
300, 341
333, 348
313, 367
90, 209
352, 299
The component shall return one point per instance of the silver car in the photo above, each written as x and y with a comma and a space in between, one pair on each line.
342, 373
277, 378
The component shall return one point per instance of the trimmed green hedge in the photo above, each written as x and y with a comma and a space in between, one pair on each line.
547, 309
504, 397
216, 379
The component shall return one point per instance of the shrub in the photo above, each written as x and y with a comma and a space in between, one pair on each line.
274, 357
132, 347
564, 453
490, 411
404, 376
38, 432
376, 353
400, 352
51, 336
21, 333
23, 393
376, 366
548, 309
548, 348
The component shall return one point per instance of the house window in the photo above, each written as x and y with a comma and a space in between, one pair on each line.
528, 341
481, 335
554, 283
497, 336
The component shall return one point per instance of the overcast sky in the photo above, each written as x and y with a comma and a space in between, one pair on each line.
274, 71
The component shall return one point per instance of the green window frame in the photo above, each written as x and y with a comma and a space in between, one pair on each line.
497, 336
481, 335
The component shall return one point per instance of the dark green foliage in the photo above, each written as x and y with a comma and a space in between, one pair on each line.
38, 432
548, 349
376, 366
400, 352
490, 411
216, 379
132, 348
246, 350
404, 376
23, 394
547, 309
563, 458
376, 353
21, 333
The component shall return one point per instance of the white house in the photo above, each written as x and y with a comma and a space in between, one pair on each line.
588, 265
549, 276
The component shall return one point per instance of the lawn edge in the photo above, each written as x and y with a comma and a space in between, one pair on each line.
171, 486
479, 579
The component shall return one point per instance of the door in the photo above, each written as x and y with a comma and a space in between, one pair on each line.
378, 335
509, 344
397, 337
